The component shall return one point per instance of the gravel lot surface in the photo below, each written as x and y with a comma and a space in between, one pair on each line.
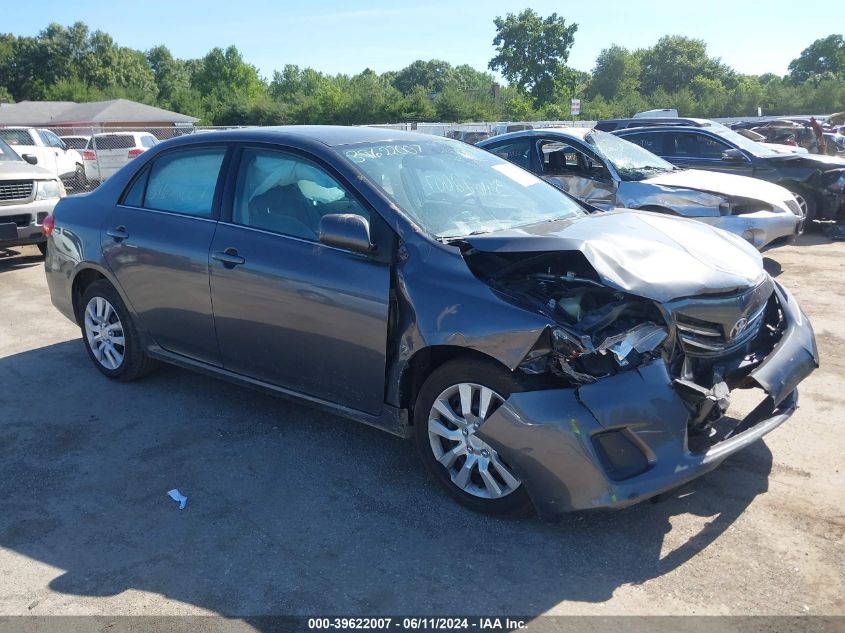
298, 512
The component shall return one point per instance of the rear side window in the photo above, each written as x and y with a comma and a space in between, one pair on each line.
148, 141
184, 182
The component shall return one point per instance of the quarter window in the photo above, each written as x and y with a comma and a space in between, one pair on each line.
287, 194
185, 181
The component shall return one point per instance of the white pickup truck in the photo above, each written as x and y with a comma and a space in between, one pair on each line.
51, 152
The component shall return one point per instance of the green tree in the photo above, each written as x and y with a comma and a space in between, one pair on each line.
433, 75
825, 55
532, 52
616, 73
675, 61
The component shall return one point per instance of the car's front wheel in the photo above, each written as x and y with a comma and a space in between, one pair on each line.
110, 336
452, 405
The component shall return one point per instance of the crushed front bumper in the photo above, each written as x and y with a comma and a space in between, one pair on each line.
624, 439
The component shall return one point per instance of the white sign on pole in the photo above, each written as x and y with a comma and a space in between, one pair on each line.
575, 107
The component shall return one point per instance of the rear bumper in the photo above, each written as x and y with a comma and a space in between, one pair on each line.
550, 437
20, 224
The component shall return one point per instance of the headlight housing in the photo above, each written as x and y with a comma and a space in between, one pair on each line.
49, 189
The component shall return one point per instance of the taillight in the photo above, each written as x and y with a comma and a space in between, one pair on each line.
88, 155
48, 225
135, 153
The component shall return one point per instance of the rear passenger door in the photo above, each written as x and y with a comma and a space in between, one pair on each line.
156, 242
289, 310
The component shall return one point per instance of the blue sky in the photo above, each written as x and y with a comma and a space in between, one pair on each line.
336, 36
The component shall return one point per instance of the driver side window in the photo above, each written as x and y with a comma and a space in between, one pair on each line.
286, 194
562, 159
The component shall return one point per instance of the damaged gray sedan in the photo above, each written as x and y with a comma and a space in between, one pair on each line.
608, 172
540, 356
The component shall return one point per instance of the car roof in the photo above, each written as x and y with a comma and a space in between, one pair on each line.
331, 135
663, 128
569, 132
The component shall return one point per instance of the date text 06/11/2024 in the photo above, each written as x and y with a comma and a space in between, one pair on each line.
419, 623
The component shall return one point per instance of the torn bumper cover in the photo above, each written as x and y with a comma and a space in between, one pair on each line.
625, 438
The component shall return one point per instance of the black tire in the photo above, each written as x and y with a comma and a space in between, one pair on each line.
136, 363
80, 180
42, 246
480, 372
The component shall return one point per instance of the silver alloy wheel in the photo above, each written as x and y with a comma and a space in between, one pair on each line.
104, 333
802, 204
473, 465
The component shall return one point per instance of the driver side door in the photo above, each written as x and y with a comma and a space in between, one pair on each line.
289, 310
577, 173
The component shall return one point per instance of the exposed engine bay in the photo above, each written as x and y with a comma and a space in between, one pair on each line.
600, 331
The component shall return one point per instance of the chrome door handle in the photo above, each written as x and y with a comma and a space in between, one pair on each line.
118, 233
229, 257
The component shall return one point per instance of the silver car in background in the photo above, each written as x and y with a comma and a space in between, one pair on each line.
108, 152
608, 172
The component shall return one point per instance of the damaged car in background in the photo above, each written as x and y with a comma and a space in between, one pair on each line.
817, 181
540, 356
607, 173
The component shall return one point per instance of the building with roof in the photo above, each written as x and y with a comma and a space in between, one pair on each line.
116, 113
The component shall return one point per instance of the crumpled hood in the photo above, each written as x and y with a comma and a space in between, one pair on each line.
724, 184
21, 170
651, 255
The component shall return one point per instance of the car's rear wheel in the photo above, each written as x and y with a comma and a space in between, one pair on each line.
452, 405
110, 336
42, 246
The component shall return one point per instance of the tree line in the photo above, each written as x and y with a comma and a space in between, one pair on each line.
75, 64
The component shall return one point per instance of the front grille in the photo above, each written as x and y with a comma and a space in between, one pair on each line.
793, 205
15, 190
703, 338
22, 219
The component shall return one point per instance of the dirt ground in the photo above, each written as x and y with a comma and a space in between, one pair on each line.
291, 511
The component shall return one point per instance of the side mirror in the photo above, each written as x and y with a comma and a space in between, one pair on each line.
30, 158
346, 230
733, 156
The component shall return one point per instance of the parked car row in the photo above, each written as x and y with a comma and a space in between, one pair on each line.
80, 161
608, 172
544, 350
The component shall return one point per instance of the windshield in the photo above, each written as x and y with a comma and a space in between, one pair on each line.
631, 161
452, 189
752, 147
6, 152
